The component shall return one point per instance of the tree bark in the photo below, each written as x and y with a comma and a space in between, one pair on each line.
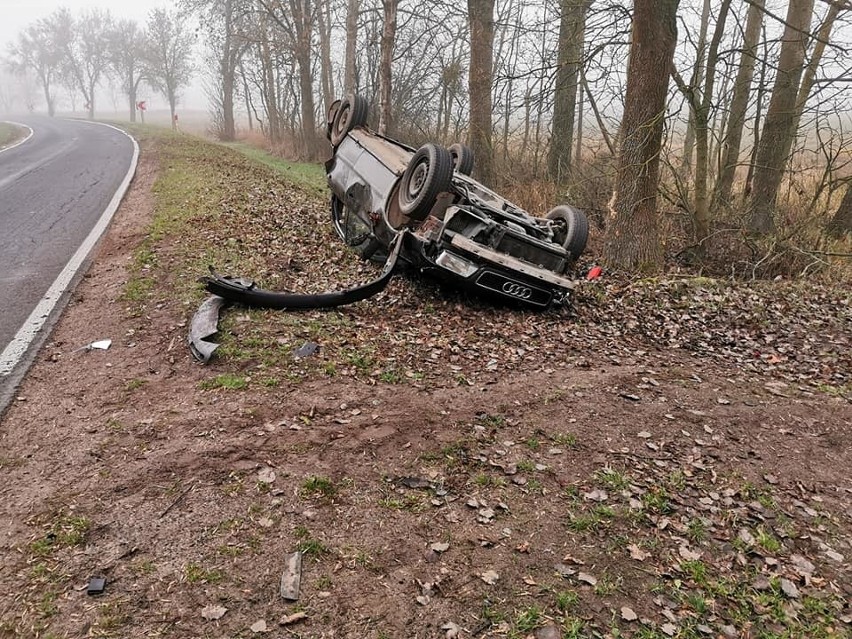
578, 137
386, 63
842, 221
572, 26
632, 240
694, 82
739, 104
351, 41
481, 19
758, 110
324, 28
778, 133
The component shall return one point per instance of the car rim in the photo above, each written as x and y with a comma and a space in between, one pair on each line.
343, 121
418, 179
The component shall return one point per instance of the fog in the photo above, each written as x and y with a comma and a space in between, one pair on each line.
17, 14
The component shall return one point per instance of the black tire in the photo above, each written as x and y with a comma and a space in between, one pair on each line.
351, 113
572, 229
462, 158
330, 117
429, 173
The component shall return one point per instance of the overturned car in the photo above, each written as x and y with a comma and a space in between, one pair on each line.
419, 206
455, 227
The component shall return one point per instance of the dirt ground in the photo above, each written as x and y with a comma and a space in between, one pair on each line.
615, 488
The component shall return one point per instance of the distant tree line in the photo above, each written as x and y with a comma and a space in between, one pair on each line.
686, 123
79, 52
731, 115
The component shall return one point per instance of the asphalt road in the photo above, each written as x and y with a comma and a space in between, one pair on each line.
53, 189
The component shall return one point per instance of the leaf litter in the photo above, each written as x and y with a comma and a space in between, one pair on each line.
668, 529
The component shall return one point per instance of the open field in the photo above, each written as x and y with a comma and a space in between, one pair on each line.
666, 458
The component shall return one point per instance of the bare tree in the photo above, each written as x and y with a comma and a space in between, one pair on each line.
822, 39
842, 221
778, 134
324, 29
481, 19
169, 55
351, 45
632, 239
223, 23
739, 104
295, 19
569, 67
695, 82
700, 103
39, 51
126, 53
86, 50
386, 52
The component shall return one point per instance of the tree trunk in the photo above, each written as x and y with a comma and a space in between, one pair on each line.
694, 82
758, 110
324, 28
271, 98
569, 60
306, 88
51, 107
351, 41
91, 102
172, 109
131, 93
481, 18
386, 63
777, 137
702, 134
842, 221
228, 70
633, 240
822, 38
578, 137
739, 104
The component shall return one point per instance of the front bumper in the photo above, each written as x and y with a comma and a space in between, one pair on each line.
501, 275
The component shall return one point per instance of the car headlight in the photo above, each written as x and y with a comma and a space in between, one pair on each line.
456, 264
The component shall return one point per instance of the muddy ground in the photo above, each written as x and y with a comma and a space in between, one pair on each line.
667, 459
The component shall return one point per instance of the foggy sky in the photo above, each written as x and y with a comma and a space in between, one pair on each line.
15, 15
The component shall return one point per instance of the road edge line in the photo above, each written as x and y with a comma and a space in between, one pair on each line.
26, 335
19, 142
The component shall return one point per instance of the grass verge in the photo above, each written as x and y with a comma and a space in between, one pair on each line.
10, 133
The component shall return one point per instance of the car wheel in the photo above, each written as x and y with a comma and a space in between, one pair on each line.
429, 173
330, 117
462, 158
351, 113
571, 229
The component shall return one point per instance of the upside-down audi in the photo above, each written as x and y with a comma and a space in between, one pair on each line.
458, 228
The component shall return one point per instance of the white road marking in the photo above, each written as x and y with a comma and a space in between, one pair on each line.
19, 142
17, 348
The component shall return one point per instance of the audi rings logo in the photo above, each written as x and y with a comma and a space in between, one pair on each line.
516, 290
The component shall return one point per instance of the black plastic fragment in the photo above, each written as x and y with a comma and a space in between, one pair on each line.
237, 289
97, 585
